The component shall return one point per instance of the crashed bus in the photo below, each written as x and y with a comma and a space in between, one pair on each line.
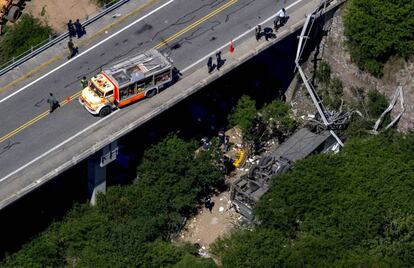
127, 81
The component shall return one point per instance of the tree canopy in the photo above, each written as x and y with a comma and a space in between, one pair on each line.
21, 36
131, 225
379, 29
354, 208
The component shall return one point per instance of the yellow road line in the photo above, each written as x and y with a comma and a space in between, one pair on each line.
195, 24
160, 45
37, 118
81, 43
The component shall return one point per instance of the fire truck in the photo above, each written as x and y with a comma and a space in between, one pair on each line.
10, 10
127, 81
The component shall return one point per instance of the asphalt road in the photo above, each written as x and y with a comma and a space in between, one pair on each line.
197, 28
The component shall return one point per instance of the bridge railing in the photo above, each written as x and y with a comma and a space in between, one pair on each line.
304, 36
54, 39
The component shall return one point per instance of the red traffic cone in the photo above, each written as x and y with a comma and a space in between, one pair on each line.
231, 48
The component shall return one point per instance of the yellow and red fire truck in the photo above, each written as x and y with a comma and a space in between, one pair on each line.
127, 81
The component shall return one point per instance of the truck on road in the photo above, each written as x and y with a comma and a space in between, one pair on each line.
127, 81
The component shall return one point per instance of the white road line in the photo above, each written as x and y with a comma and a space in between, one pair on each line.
236, 39
59, 145
86, 51
101, 120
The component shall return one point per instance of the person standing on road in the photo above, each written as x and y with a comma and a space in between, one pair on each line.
258, 32
210, 65
53, 103
79, 28
84, 82
219, 60
71, 29
280, 19
72, 49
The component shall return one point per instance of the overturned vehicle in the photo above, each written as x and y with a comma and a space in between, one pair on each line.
248, 189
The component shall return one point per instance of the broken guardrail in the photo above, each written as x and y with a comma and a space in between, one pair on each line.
310, 19
52, 40
398, 93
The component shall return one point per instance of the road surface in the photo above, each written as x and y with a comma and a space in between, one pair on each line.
185, 30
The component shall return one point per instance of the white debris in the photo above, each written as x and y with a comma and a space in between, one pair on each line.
221, 209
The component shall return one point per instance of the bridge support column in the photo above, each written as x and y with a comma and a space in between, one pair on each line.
97, 170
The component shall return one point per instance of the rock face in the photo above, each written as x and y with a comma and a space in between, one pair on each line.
396, 72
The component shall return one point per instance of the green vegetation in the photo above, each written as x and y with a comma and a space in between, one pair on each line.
274, 118
104, 2
377, 30
377, 103
351, 209
21, 36
243, 114
331, 89
131, 225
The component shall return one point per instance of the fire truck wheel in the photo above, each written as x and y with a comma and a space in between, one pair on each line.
151, 93
13, 14
104, 111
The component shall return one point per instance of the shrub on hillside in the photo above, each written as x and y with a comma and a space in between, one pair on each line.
131, 225
378, 29
21, 36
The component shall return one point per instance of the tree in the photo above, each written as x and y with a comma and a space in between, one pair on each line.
243, 114
24, 34
131, 224
377, 30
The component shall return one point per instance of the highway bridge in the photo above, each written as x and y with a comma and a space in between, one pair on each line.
36, 146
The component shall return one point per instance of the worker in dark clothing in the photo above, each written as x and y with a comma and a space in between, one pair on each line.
210, 66
219, 60
208, 204
79, 29
222, 137
72, 49
53, 103
71, 29
84, 82
258, 32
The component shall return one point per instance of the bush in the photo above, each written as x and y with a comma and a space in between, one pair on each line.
21, 36
131, 225
104, 2
243, 114
377, 103
377, 30
323, 73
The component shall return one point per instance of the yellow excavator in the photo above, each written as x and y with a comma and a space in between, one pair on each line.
10, 11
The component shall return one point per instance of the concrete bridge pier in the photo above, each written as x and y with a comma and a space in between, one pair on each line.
97, 170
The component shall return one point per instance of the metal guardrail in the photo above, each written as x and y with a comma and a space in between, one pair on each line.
52, 40
325, 116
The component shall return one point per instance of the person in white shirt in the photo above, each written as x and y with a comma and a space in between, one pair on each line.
280, 20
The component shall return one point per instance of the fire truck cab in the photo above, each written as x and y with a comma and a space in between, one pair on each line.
127, 81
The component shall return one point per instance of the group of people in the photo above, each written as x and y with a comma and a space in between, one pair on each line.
74, 29
280, 20
211, 66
